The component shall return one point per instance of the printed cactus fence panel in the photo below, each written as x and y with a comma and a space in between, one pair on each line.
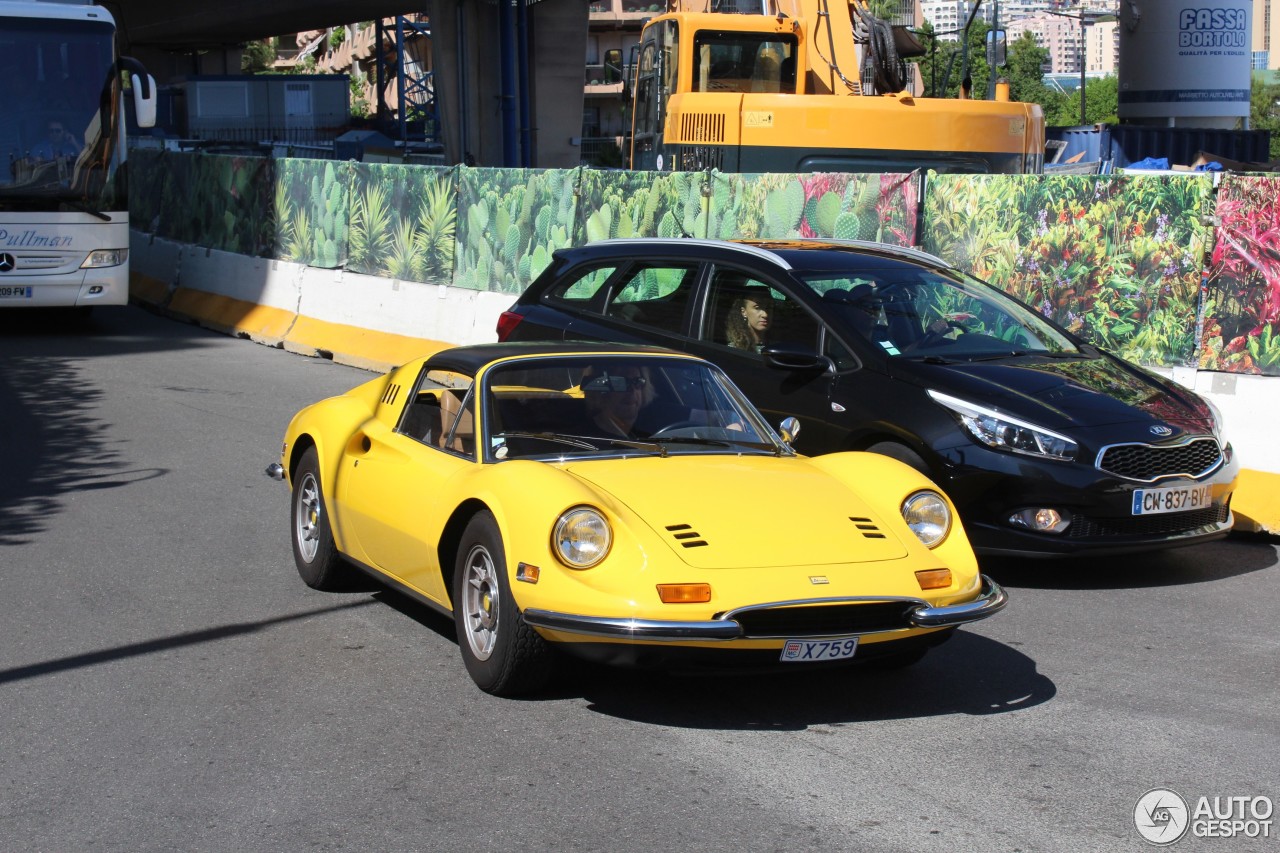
311, 208
509, 222
838, 205
403, 222
148, 171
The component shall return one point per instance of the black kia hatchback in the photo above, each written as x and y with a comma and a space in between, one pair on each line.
1048, 445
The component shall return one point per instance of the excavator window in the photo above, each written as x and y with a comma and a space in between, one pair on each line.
744, 62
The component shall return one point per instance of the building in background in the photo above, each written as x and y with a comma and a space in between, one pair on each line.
1266, 35
1060, 36
613, 32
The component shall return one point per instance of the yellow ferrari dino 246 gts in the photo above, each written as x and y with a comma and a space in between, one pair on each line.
624, 505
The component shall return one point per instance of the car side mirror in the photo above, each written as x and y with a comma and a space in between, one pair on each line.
789, 428
796, 359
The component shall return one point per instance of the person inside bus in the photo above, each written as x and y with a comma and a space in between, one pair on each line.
58, 143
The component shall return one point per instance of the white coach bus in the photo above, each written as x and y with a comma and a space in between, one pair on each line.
64, 221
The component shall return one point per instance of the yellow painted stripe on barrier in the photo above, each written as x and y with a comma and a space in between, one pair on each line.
146, 289
358, 347
232, 315
1256, 502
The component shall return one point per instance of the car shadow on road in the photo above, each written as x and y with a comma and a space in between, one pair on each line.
970, 674
1239, 554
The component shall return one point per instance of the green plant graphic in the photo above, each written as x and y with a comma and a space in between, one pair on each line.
1115, 259
314, 231
1242, 310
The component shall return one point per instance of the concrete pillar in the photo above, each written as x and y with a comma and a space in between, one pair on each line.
464, 36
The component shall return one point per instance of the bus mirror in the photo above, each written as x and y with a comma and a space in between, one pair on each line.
144, 99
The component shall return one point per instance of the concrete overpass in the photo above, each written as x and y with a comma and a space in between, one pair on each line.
509, 76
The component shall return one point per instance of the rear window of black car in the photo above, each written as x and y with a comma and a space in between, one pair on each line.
581, 289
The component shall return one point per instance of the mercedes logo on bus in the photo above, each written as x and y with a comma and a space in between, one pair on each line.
7, 262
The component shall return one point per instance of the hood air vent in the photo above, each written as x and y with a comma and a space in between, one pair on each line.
868, 527
686, 536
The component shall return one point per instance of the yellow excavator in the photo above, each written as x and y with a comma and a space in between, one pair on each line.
809, 86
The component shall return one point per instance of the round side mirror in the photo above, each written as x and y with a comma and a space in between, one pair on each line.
790, 428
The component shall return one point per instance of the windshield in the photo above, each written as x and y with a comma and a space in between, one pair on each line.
915, 312
58, 136
554, 408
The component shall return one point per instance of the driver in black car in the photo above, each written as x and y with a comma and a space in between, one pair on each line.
867, 315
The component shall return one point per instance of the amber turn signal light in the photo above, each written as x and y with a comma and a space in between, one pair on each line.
934, 578
684, 593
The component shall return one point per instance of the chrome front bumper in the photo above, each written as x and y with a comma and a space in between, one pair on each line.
990, 601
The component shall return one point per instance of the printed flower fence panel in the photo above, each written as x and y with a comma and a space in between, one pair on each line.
403, 222
1115, 259
1241, 327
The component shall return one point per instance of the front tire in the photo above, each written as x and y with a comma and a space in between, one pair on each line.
503, 655
314, 551
902, 453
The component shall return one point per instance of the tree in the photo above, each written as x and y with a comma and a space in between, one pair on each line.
258, 56
1025, 70
942, 66
1264, 111
1101, 103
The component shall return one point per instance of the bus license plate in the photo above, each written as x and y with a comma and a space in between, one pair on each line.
15, 292
800, 651
1171, 499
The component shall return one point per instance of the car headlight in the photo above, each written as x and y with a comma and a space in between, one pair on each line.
1005, 432
928, 516
582, 537
1219, 425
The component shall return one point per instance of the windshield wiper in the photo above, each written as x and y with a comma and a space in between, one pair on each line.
676, 439
79, 205
996, 356
559, 437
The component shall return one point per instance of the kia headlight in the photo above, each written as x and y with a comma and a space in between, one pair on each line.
1219, 427
1002, 431
928, 516
582, 537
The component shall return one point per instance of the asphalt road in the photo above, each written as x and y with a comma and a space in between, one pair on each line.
168, 683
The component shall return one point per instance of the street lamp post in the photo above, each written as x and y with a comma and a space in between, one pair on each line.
1083, 23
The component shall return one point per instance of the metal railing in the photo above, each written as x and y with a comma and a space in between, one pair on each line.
603, 151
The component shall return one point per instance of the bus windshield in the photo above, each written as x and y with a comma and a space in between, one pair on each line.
59, 137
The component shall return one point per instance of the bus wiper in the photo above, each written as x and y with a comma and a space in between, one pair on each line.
74, 201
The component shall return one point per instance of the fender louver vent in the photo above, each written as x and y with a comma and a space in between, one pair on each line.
701, 127
389, 396
868, 527
686, 536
